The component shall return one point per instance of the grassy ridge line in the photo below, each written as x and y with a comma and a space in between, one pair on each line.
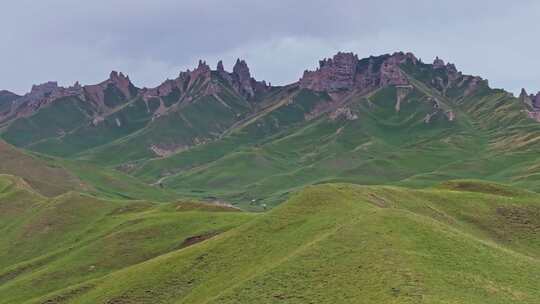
341, 243
49, 244
53, 176
40, 172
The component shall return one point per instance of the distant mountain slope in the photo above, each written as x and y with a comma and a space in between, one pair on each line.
192, 109
42, 175
6, 100
53, 176
389, 119
341, 244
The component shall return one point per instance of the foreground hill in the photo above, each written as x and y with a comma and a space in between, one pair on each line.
84, 167
335, 243
48, 244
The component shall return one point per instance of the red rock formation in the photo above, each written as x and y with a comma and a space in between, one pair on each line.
240, 80
346, 72
536, 100
220, 67
438, 63
42, 95
333, 74
526, 98
96, 93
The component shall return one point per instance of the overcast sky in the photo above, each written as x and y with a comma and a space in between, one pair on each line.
151, 40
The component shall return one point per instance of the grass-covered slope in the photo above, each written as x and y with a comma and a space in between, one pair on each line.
54, 176
130, 129
380, 146
342, 243
41, 173
50, 244
489, 137
208, 141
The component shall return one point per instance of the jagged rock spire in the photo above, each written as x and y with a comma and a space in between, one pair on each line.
536, 100
438, 62
344, 72
242, 77
241, 69
220, 67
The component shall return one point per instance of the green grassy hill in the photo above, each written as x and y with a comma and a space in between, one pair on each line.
52, 176
491, 139
405, 183
204, 139
335, 243
48, 244
41, 173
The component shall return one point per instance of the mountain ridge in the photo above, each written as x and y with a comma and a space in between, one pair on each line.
342, 72
187, 132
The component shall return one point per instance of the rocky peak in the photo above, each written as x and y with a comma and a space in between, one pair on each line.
116, 77
438, 63
41, 95
536, 100
220, 67
523, 93
241, 79
96, 93
41, 90
525, 97
241, 70
122, 82
202, 69
530, 99
334, 74
345, 71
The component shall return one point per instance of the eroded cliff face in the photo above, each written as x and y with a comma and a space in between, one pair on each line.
204, 81
533, 104
40, 95
346, 72
536, 101
338, 76
531, 100
96, 94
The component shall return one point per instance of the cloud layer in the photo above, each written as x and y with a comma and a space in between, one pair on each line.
151, 40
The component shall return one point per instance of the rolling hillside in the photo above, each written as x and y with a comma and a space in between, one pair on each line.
465, 241
375, 180
48, 244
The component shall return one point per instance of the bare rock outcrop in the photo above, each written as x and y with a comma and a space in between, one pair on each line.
39, 96
343, 113
346, 72
536, 101
438, 63
526, 98
96, 93
531, 100
242, 79
206, 84
333, 74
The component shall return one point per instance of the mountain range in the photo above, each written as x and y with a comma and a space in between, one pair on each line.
389, 119
375, 180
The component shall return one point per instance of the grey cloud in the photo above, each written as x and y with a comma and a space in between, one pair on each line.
153, 39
